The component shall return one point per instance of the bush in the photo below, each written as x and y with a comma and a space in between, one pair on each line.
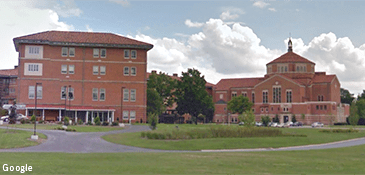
71, 130
66, 121
343, 123
80, 122
23, 121
89, 123
293, 119
60, 123
153, 119
97, 121
115, 123
276, 119
105, 123
137, 122
339, 130
265, 120
41, 121
32, 119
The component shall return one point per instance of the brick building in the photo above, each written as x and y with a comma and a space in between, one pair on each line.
8, 85
290, 87
82, 75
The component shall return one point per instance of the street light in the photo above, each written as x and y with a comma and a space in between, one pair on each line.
121, 104
35, 110
69, 98
65, 87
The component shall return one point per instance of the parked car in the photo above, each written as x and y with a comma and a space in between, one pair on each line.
317, 124
258, 124
298, 124
288, 124
241, 123
274, 124
18, 118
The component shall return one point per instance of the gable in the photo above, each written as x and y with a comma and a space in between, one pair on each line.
278, 80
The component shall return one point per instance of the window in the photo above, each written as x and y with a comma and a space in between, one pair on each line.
264, 96
125, 115
317, 107
297, 68
244, 94
70, 93
64, 51
286, 69
305, 68
133, 115
95, 70
133, 95
126, 54
96, 53
320, 97
282, 69
103, 53
220, 96
102, 94
71, 52
63, 92
95, 94
34, 50
125, 95
12, 90
63, 69
276, 95
234, 94
288, 96
31, 92
126, 71
253, 97
133, 54
133, 71
102, 70
33, 67
325, 107
321, 107
71, 69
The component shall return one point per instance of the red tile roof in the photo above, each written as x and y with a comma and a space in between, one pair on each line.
82, 37
321, 77
225, 84
9, 72
290, 57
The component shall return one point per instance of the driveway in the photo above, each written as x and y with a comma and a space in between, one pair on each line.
91, 142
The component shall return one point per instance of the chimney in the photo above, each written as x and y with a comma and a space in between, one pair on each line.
154, 71
175, 74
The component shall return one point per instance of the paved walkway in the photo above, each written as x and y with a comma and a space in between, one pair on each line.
79, 142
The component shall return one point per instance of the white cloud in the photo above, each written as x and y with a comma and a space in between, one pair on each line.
20, 18
123, 3
227, 15
88, 28
64, 8
193, 24
272, 9
260, 4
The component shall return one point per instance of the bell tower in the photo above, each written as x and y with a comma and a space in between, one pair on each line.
290, 46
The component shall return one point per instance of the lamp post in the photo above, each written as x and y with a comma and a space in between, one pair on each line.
69, 98
121, 104
65, 87
35, 137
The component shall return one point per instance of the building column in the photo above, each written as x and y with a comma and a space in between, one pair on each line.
59, 115
43, 114
26, 112
112, 116
108, 117
87, 117
75, 116
92, 116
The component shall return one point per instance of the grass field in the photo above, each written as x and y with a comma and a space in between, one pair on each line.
79, 128
10, 138
313, 137
332, 161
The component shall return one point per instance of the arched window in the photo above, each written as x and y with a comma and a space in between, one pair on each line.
297, 68
286, 68
282, 69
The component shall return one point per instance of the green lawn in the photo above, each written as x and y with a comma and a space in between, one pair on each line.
79, 128
332, 161
313, 137
10, 138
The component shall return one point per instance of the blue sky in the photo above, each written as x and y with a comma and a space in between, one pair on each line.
222, 39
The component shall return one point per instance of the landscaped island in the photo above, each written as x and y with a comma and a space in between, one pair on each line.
10, 138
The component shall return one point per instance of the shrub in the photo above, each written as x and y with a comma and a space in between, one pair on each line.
41, 121
137, 122
276, 119
80, 122
97, 121
23, 121
339, 130
105, 123
248, 118
89, 123
293, 119
153, 119
71, 130
66, 121
32, 119
115, 123
60, 123
343, 123
265, 120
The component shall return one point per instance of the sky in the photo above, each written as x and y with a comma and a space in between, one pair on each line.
222, 39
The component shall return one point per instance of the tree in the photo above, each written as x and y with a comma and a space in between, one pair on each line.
191, 96
276, 119
361, 108
201, 117
303, 117
239, 104
293, 119
361, 96
248, 117
154, 102
153, 120
265, 120
164, 86
346, 96
66, 121
354, 115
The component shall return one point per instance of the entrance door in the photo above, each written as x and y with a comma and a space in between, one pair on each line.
286, 119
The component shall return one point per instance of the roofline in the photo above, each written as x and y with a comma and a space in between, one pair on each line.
288, 79
57, 43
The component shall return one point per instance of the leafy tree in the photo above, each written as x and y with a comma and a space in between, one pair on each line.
303, 117
265, 120
346, 96
192, 98
239, 104
248, 117
361, 107
66, 121
354, 115
361, 96
32, 119
276, 119
164, 85
97, 121
293, 119
154, 102
153, 120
